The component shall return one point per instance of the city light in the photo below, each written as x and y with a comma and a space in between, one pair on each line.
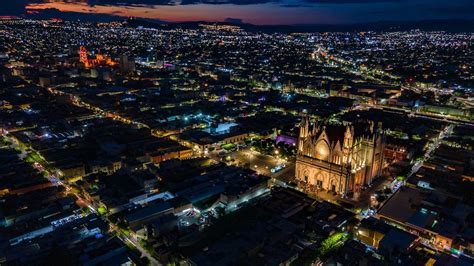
144, 142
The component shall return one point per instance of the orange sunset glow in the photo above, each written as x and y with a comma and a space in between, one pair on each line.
256, 14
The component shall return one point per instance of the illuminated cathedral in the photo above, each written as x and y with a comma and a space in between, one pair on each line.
339, 158
99, 59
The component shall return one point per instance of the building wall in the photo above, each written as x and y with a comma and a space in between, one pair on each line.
395, 152
369, 237
74, 171
340, 167
183, 154
30, 188
322, 174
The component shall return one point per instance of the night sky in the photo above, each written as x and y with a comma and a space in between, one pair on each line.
259, 11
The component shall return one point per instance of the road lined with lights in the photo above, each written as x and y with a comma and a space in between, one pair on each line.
446, 132
79, 103
437, 117
132, 241
342, 64
54, 175
55, 178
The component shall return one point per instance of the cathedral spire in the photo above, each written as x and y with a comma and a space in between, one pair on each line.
315, 129
304, 128
304, 133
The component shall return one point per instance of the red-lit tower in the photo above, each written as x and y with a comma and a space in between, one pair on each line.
83, 55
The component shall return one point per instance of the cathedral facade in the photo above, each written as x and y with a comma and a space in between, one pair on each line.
339, 158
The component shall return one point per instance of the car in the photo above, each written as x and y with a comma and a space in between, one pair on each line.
183, 223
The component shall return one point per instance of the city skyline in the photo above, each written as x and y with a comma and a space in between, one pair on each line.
129, 140
259, 12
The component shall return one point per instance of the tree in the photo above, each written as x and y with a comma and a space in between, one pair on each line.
220, 211
444, 99
145, 261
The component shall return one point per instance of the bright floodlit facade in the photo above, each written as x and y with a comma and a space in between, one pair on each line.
339, 158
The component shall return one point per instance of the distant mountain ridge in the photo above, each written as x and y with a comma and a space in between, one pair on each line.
450, 25
425, 25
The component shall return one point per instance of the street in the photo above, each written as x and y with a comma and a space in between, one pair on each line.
54, 177
447, 131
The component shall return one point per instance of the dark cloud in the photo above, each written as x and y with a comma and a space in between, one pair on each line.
234, 20
295, 5
12, 7
222, 2
129, 2
339, 2
323, 11
55, 13
462, 10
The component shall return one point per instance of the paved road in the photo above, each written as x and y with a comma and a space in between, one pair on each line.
132, 241
252, 159
54, 178
286, 174
431, 116
447, 131
77, 102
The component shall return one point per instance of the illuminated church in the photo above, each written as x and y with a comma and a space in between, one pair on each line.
99, 59
339, 158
